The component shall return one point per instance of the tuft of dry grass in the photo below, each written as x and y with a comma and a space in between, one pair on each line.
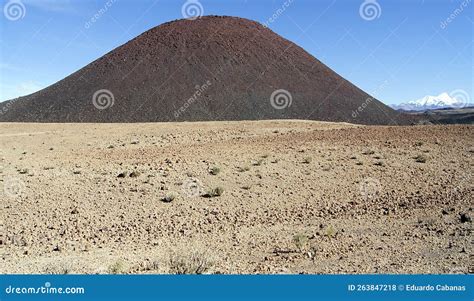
217, 191
118, 267
421, 159
300, 241
60, 268
215, 171
331, 232
196, 262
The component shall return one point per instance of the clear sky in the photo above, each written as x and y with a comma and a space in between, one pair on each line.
407, 50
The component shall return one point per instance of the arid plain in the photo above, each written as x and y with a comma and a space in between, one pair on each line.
236, 197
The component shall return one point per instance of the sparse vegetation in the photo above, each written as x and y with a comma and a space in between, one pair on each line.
214, 170
118, 267
150, 265
275, 218
58, 268
194, 263
217, 191
421, 159
330, 232
300, 241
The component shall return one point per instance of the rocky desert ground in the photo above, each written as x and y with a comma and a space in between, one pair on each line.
236, 197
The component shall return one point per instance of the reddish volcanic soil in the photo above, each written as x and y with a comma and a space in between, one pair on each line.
213, 68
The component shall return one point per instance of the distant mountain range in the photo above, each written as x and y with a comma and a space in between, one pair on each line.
442, 101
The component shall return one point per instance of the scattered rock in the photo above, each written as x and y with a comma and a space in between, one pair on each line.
168, 198
134, 174
464, 218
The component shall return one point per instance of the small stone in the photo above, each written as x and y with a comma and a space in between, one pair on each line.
168, 198
465, 218
134, 174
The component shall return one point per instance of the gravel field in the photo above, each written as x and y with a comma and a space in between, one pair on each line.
236, 197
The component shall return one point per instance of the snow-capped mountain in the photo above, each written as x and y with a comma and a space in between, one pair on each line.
444, 100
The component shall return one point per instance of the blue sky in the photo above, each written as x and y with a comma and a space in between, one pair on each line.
407, 51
